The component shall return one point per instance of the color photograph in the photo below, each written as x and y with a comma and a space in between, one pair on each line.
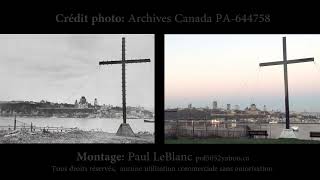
242, 89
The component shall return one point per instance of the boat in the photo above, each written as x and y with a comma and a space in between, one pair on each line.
295, 128
148, 121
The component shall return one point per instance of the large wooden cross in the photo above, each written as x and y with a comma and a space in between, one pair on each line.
284, 63
123, 62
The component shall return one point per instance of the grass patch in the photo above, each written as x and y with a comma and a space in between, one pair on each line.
238, 141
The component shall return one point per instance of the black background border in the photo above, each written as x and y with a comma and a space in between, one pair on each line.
36, 160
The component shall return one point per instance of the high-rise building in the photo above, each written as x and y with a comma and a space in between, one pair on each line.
214, 105
190, 106
264, 108
236, 107
228, 107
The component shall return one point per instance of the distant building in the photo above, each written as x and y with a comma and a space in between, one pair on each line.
190, 106
83, 100
253, 107
214, 105
95, 102
82, 103
236, 107
252, 110
76, 105
264, 108
228, 107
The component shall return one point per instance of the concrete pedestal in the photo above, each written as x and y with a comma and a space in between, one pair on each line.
288, 133
125, 130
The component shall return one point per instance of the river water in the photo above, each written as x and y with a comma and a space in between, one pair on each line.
104, 124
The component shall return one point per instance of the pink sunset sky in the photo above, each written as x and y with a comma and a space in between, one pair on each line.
200, 69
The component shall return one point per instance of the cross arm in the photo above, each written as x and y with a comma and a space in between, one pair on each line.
126, 61
288, 62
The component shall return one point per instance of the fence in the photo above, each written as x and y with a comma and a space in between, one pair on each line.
204, 128
32, 128
38, 128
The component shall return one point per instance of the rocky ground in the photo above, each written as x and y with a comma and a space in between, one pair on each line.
77, 136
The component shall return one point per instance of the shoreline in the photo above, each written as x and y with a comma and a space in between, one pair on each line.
76, 117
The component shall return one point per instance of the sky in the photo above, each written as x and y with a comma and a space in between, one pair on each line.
64, 67
200, 69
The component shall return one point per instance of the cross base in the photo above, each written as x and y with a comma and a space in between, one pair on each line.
288, 133
125, 130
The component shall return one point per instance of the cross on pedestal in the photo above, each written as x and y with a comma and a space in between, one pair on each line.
124, 129
284, 63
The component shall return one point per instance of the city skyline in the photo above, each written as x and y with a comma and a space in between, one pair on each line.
63, 67
76, 101
260, 107
202, 68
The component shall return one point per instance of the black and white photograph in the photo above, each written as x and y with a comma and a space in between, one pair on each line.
77, 88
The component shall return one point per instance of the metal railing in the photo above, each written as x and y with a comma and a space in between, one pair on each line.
203, 128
